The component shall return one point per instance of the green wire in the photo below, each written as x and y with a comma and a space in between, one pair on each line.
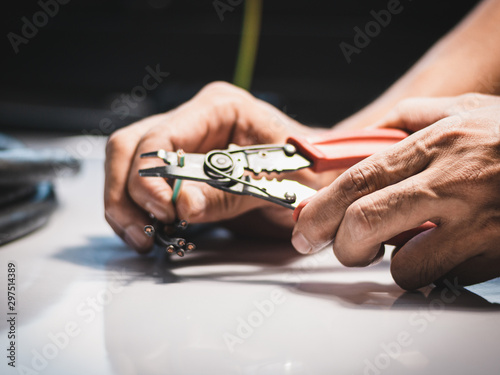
177, 189
247, 53
177, 184
249, 43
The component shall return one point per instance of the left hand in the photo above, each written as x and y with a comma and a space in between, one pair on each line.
446, 172
220, 114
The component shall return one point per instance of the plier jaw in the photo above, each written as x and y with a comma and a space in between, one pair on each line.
237, 169
233, 170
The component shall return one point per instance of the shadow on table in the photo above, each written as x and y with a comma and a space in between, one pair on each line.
271, 262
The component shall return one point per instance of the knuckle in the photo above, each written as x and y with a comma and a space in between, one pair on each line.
115, 141
443, 136
219, 88
348, 183
469, 101
403, 106
363, 217
357, 182
421, 147
219, 96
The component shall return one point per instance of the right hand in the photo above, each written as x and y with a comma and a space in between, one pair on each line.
446, 172
218, 115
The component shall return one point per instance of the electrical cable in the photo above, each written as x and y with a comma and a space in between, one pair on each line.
247, 53
249, 42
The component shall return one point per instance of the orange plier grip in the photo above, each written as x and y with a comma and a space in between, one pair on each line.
341, 150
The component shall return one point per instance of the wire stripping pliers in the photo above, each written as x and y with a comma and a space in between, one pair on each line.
235, 170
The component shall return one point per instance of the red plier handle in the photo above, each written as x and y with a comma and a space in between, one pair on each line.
341, 150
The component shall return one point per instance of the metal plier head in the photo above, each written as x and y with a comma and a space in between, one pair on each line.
235, 170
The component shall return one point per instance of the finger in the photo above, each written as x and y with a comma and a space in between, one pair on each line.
217, 116
379, 256
476, 270
430, 255
417, 113
483, 262
199, 202
122, 214
154, 194
320, 219
377, 217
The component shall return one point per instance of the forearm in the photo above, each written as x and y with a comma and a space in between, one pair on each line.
467, 59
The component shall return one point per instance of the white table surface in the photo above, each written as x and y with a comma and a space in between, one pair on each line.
131, 314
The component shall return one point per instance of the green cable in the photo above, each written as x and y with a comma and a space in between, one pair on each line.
177, 189
245, 62
249, 43
177, 184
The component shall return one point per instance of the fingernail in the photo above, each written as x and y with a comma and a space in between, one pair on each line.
157, 210
378, 258
136, 238
300, 243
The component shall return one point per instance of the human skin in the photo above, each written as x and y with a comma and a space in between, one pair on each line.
466, 59
446, 172
218, 115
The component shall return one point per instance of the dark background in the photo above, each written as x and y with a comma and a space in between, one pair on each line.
67, 75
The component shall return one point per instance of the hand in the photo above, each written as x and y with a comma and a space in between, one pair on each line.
218, 115
446, 172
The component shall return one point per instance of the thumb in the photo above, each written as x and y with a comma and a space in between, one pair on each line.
202, 203
416, 113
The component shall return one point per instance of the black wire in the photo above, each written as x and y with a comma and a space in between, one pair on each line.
27, 197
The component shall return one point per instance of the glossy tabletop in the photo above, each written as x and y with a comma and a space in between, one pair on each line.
87, 304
